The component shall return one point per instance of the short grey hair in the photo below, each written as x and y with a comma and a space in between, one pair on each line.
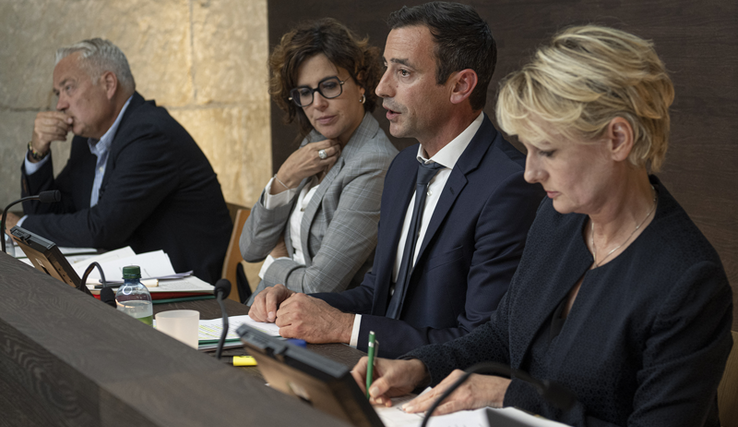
99, 56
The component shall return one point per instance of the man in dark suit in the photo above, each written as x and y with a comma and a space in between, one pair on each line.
134, 178
449, 277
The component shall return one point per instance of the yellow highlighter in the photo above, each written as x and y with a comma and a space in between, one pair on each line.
242, 360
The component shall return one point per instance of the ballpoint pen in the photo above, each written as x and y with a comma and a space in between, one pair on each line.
370, 363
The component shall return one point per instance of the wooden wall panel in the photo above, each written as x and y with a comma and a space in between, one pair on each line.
698, 41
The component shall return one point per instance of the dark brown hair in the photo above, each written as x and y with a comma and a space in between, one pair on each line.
463, 40
340, 45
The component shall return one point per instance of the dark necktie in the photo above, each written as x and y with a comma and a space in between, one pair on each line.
426, 172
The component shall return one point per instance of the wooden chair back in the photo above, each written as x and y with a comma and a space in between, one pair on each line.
233, 254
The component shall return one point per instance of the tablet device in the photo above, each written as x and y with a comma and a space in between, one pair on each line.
46, 257
319, 381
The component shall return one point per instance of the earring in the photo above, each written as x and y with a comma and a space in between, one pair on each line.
362, 99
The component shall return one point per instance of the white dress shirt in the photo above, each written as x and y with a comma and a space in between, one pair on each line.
447, 157
272, 201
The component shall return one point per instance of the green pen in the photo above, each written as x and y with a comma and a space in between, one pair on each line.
370, 362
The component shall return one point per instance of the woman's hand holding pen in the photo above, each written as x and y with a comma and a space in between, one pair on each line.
392, 378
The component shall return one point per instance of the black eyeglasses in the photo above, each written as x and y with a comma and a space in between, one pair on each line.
329, 88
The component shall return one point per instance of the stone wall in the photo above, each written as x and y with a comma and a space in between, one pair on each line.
204, 60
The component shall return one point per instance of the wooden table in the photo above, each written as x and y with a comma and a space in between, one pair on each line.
68, 359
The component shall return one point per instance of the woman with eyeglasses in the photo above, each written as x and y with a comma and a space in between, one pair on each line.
315, 224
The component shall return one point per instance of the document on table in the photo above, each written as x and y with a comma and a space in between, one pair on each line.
212, 328
394, 416
186, 284
153, 264
113, 255
168, 288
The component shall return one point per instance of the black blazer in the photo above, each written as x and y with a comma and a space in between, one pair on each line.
645, 342
471, 248
158, 192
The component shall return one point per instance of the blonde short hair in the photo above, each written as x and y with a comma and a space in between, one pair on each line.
580, 81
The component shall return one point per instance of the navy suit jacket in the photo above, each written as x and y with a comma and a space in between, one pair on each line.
468, 256
158, 192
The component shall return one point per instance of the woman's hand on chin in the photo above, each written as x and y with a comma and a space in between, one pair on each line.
307, 161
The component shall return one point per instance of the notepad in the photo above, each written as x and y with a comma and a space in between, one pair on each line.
211, 329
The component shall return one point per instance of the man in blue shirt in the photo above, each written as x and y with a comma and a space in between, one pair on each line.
134, 178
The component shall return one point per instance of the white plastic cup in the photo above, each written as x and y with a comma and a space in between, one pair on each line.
180, 324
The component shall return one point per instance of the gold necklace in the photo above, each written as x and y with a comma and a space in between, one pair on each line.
592, 239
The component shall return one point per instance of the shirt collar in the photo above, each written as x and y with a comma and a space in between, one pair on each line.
449, 154
103, 145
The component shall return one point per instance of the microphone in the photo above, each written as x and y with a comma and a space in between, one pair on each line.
51, 196
554, 393
222, 288
221, 291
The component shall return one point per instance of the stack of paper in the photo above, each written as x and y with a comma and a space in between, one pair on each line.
210, 331
154, 265
157, 273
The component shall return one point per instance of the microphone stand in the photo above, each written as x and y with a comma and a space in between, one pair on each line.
552, 392
221, 291
223, 334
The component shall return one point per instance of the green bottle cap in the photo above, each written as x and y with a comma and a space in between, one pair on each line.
131, 272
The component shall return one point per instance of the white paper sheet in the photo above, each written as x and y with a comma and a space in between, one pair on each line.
153, 264
107, 256
212, 328
396, 417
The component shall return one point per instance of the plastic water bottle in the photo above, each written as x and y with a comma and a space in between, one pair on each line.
133, 298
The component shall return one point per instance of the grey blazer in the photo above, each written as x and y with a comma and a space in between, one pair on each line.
339, 227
